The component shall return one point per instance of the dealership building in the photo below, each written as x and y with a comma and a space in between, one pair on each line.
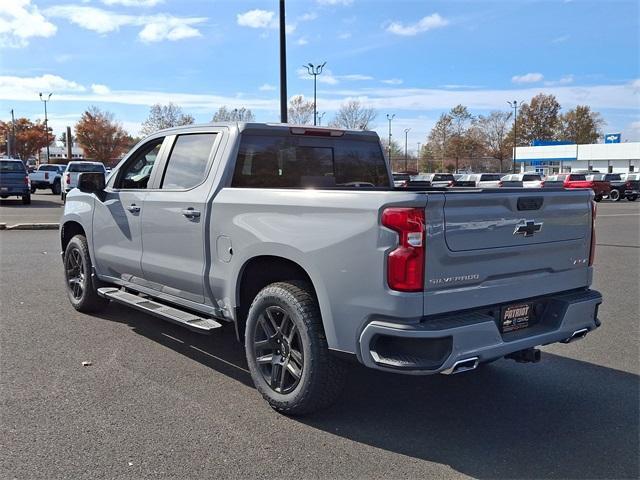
603, 157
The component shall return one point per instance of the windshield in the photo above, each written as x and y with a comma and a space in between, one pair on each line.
11, 167
85, 167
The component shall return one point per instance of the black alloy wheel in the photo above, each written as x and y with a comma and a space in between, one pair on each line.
278, 350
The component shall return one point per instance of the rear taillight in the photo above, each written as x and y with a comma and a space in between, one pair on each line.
68, 179
405, 264
592, 249
628, 185
46, 175
542, 183
26, 180
450, 184
500, 183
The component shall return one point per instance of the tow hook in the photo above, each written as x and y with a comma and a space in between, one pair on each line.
530, 355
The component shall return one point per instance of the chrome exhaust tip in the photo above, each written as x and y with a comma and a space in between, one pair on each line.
577, 335
462, 366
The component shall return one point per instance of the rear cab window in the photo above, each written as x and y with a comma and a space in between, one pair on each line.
577, 177
443, 177
8, 166
291, 161
85, 167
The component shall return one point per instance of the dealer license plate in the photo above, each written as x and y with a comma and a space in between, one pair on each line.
516, 317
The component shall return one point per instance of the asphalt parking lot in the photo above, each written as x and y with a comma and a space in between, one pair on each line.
159, 401
45, 208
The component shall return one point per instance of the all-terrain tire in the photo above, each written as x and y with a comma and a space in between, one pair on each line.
632, 198
322, 374
614, 195
56, 188
26, 199
81, 287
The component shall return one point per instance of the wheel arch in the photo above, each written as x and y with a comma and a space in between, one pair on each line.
258, 272
70, 229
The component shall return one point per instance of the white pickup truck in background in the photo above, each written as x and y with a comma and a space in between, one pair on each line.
70, 175
47, 176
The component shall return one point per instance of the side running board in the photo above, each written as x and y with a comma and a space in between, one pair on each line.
180, 317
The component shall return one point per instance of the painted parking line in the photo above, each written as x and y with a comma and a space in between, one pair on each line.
618, 215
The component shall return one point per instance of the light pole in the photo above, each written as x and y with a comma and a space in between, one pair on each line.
515, 106
46, 121
12, 143
406, 152
283, 65
315, 70
418, 158
320, 115
389, 118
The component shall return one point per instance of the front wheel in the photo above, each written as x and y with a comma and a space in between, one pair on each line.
287, 350
81, 289
632, 198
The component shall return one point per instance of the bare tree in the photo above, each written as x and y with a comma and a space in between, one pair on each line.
236, 115
461, 141
355, 116
494, 131
300, 111
165, 116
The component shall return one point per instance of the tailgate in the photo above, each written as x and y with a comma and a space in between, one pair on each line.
12, 179
491, 247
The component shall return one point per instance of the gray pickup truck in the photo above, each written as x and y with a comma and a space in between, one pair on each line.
297, 237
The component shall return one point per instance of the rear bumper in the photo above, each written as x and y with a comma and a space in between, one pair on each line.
435, 345
15, 190
632, 192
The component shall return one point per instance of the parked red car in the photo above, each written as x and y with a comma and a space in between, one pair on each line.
579, 180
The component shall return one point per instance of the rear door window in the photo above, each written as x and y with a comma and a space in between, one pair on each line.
291, 162
188, 162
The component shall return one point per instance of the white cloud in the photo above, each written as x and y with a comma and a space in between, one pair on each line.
262, 19
302, 41
20, 21
423, 25
307, 17
344, 36
133, 3
564, 80
27, 88
561, 39
636, 84
528, 78
266, 87
393, 81
256, 19
100, 89
356, 77
154, 27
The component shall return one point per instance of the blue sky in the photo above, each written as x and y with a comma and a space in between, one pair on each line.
415, 59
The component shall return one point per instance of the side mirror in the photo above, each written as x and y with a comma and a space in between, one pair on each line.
91, 182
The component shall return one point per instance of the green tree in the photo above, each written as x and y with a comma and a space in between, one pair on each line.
580, 125
165, 116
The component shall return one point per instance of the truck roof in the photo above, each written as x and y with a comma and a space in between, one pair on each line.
268, 127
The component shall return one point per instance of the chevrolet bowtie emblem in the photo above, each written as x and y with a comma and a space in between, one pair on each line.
527, 228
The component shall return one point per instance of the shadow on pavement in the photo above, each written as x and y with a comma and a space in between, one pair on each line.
37, 201
561, 418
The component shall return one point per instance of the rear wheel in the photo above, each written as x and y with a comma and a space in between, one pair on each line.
55, 188
598, 198
81, 289
33, 189
26, 199
287, 350
614, 195
632, 198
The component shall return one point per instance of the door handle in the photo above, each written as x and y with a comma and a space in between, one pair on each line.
191, 213
133, 208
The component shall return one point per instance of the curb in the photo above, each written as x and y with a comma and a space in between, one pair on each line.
30, 226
